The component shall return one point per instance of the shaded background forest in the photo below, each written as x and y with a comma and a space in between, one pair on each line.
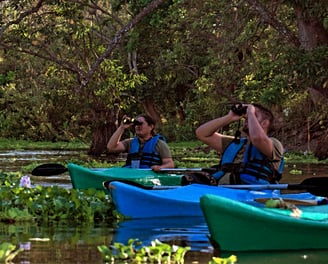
70, 69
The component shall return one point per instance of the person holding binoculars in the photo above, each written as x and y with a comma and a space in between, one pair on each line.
147, 149
260, 156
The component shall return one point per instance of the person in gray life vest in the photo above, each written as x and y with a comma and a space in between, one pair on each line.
149, 148
262, 155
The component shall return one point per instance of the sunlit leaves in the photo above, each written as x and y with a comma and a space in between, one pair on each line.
8, 252
280, 74
229, 260
157, 252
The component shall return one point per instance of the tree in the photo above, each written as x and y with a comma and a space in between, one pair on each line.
199, 56
272, 52
307, 55
76, 38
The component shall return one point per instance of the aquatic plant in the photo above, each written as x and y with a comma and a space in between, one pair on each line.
8, 252
134, 252
10, 215
50, 204
229, 260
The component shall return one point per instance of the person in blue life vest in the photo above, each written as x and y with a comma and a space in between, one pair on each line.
149, 148
262, 155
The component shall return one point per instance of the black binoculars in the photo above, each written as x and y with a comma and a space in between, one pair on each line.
132, 121
239, 109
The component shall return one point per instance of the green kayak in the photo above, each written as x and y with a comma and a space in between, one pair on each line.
238, 226
85, 178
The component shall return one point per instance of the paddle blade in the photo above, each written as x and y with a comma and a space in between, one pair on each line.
316, 185
49, 170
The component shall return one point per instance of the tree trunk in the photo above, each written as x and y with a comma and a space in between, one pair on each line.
104, 126
150, 109
312, 33
321, 151
99, 140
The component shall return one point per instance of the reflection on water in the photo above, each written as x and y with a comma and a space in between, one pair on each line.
65, 244
13, 160
62, 180
58, 244
183, 231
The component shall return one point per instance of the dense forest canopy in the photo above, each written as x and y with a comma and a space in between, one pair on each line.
70, 69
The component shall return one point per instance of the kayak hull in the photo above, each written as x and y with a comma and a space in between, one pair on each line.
237, 226
134, 202
85, 178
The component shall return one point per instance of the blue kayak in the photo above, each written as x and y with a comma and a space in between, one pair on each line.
136, 202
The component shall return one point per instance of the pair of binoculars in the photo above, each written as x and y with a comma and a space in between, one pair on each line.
239, 109
132, 121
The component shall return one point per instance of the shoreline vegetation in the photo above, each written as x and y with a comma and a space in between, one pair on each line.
187, 154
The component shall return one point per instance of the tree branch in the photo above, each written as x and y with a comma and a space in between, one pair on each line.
117, 38
21, 17
64, 64
267, 17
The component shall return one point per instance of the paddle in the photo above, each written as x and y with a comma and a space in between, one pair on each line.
295, 201
49, 170
56, 169
316, 185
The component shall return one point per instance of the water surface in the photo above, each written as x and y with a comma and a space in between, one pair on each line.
69, 244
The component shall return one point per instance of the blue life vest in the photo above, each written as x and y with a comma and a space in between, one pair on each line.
228, 156
148, 155
255, 167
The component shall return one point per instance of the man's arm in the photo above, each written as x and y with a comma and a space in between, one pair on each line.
257, 135
207, 133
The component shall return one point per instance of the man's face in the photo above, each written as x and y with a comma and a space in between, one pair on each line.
259, 117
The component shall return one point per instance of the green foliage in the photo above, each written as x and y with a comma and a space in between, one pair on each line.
193, 59
10, 143
5, 79
8, 252
295, 172
9, 180
15, 215
157, 252
177, 132
301, 157
289, 73
70, 38
229, 260
51, 204
310, 66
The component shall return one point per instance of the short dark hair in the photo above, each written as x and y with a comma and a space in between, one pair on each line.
267, 114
